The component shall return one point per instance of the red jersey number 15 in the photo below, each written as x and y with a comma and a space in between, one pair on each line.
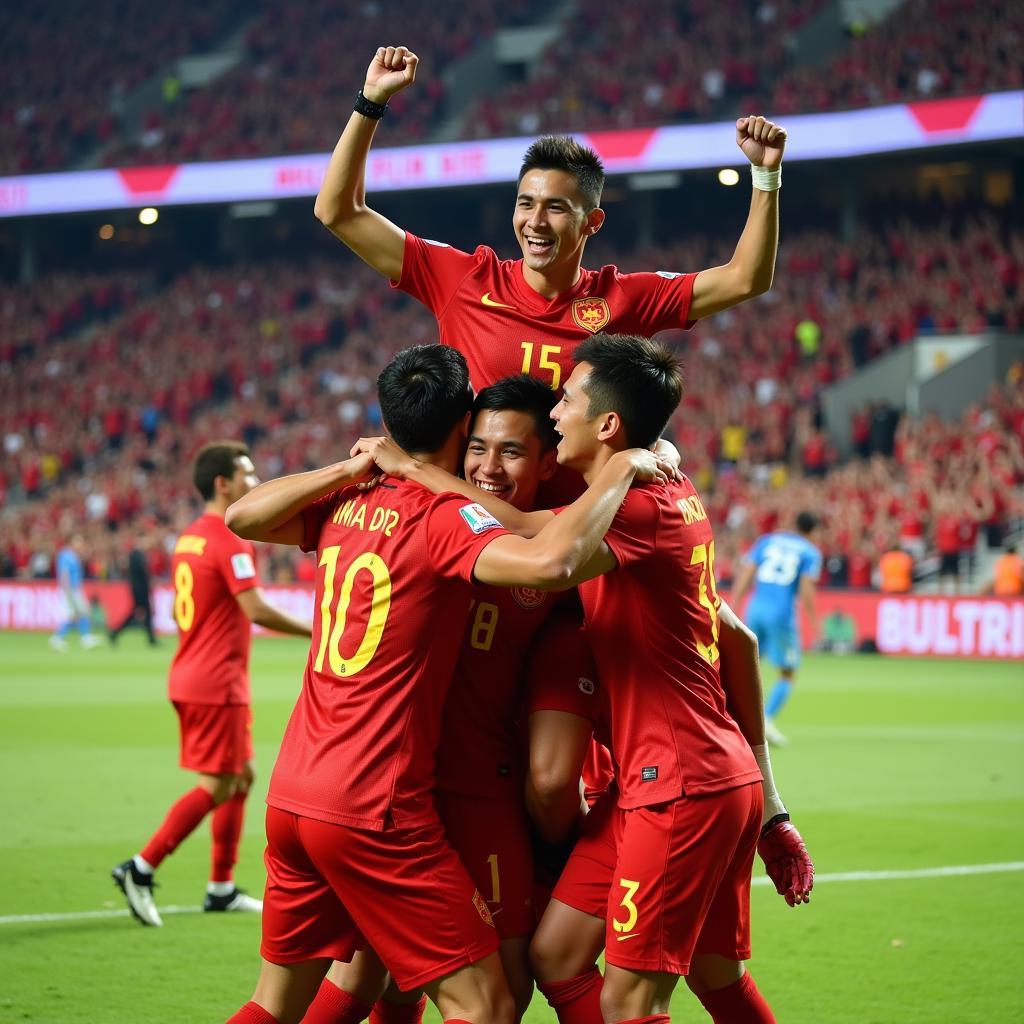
332, 627
545, 361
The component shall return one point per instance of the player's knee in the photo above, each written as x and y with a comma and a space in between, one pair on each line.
224, 786
708, 973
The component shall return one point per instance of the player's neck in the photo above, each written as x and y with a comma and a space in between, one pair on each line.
552, 284
217, 507
597, 463
449, 457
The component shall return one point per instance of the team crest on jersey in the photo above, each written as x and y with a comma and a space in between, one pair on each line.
591, 314
482, 909
528, 598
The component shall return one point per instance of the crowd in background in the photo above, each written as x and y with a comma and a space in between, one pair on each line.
109, 383
645, 63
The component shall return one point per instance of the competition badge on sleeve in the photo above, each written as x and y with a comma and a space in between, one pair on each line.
591, 314
242, 566
478, 519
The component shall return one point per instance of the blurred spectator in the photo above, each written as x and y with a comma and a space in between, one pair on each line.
1007, 574
896, 571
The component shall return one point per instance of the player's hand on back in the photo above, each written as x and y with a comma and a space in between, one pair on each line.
385, 455
390, 71
787, 862
649, 466
762, 141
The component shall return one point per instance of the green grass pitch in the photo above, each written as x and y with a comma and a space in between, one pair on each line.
896, 765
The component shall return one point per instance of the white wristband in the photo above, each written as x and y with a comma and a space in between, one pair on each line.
772, 801
765, 180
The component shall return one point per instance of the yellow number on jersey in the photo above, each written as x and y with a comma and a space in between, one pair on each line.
547, 362
184, 602
495, 880
485, 622
627, 901
380, 605
704, 556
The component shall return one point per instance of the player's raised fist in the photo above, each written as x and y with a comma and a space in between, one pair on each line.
762, 141
390, 71
787, 862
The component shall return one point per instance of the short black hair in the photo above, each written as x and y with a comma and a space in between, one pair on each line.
218, 458
638, 378
806, 522
526, 394
424, 392
564, 153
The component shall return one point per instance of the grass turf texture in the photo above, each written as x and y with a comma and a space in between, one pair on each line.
895, 764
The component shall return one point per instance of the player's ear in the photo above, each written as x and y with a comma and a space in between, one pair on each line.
548, 464
610, 427
594, 221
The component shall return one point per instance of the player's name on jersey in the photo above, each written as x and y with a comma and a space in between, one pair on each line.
352, 513
692, 509
190, 544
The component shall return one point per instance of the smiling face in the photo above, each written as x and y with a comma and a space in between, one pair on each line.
505, 456
552, 226
579, 431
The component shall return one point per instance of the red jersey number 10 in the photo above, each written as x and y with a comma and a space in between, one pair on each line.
332, 628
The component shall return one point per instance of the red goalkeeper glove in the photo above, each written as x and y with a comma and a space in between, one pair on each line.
786, 860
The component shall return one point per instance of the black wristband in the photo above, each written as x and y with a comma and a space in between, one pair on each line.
772, 822
374, 111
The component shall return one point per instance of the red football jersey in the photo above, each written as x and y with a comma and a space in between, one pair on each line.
486, 310
653, 625
393, 593
209, 567
481, 747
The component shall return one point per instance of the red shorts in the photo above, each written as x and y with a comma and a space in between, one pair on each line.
681, 883
587, 878
490, 836
332, 890
216, 739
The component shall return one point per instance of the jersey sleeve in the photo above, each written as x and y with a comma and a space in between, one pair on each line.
237, 560
812, 563
660, 301
561, 672
457, 531
314, 516
756, 553
433, 271
633, 533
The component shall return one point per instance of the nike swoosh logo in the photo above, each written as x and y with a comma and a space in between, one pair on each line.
622, 938
488, 301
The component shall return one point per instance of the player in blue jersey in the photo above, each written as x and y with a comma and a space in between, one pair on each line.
71, 576
783, 568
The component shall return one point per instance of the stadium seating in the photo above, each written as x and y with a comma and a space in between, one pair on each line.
109, 383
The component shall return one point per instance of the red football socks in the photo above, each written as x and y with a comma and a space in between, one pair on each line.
738, 1003
385, 1012
181, 821
333, 1005
251, 1013
227, 831
576, 1000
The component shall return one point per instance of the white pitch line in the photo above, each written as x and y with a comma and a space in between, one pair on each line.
950, 871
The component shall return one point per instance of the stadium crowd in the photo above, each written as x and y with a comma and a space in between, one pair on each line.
290, 90
109, 383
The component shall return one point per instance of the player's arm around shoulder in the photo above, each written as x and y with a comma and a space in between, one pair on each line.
752, 267
272, 511
341, 202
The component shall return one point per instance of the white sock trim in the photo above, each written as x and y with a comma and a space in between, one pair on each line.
220, 888
143, 865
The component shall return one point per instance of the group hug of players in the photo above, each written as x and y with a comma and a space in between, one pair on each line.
510, 598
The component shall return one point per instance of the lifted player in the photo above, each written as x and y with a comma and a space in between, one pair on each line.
528, 315
216, 598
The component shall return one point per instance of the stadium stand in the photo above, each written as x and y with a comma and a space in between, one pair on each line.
111, 382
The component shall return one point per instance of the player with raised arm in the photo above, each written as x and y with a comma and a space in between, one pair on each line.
356, 852
217, 597
691, 808
783, 568
528, 315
